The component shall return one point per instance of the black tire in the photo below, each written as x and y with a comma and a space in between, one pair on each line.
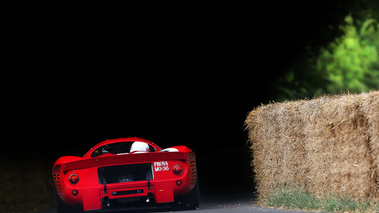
190, 201
64, 208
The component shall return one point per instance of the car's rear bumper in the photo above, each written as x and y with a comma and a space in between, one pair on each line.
110, 196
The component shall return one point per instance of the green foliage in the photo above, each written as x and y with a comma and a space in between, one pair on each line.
353, 64
350, 63
289, 199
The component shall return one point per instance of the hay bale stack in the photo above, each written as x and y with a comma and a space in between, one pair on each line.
339, 157
327, 145
275, 143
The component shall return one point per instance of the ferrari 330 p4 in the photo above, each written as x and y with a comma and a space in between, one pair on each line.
126, 173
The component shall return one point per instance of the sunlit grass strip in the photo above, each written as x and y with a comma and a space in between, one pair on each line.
299, 199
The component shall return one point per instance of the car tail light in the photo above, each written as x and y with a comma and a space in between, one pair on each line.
177, 169
73, 178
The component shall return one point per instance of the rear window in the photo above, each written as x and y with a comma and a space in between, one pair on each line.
115, 148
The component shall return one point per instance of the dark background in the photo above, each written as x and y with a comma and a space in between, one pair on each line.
189, 76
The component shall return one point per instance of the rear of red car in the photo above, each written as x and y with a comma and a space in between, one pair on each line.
128, 180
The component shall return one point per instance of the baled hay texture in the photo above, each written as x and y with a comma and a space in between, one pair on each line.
328, 145
339, 158
276, 161
370, 109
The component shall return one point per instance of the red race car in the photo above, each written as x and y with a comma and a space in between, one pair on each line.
127, 173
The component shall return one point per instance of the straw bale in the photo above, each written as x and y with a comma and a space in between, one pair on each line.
339, 158
327, 145
370, 109
278, 146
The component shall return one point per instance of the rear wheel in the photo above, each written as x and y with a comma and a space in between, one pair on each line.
190, 200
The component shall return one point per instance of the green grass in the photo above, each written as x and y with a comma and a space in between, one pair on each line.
300, 199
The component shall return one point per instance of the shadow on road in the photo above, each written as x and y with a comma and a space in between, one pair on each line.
209, 202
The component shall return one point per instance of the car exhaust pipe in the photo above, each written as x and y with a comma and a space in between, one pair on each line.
150, 196
106, 202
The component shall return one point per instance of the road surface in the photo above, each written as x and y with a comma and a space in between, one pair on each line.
231, 208
220, 203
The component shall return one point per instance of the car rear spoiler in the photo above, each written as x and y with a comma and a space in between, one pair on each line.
124, 159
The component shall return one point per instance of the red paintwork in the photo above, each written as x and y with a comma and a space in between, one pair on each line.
91, 192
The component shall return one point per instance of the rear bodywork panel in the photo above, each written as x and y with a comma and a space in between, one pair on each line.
125, 178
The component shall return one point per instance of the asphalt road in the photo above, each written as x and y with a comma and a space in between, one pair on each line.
215, 208
221, 203
233, 208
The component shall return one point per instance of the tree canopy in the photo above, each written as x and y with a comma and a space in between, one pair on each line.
348, 62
